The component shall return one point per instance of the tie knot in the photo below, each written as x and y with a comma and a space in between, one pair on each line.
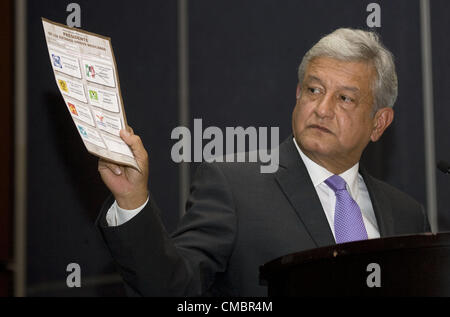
336, 183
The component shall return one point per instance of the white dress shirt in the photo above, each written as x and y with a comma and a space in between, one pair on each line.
117, 216
355, 186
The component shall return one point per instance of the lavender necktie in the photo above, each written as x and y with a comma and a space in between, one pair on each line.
348, 222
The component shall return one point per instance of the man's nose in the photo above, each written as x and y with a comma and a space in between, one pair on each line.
325, 106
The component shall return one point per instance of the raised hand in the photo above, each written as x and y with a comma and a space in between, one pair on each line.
128, 185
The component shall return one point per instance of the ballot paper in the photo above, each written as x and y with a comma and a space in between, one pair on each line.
86, 75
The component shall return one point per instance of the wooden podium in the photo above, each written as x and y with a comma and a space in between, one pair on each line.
413, 265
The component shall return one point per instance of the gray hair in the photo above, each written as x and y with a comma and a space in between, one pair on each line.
358, 45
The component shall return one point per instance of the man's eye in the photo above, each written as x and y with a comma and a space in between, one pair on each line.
347, 99
314, 90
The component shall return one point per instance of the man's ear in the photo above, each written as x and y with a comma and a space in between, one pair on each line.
383, 118
299, 90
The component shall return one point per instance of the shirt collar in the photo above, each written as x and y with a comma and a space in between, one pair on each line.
319, 174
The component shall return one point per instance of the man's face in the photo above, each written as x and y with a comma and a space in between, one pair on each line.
333, 118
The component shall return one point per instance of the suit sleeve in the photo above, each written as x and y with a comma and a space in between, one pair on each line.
152, 263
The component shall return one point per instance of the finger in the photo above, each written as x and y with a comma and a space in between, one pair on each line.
102, 164
130, 129
135, 143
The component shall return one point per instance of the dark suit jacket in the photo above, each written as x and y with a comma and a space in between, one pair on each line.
236, 220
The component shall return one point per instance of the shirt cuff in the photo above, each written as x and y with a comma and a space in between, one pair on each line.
117, 216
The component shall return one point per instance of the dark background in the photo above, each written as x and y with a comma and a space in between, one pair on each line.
243, 59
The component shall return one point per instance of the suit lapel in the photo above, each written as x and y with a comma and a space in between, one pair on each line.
294, 180
381, 205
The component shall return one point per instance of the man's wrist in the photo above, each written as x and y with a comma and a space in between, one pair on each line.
132, 201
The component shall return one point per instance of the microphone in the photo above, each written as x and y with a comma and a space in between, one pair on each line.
444, 167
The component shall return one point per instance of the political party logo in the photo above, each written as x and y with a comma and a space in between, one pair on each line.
72, 109
56, 61
82, 131
63, 85
93, 95
90, 71
100, 120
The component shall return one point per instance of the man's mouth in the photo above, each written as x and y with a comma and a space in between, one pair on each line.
319, 127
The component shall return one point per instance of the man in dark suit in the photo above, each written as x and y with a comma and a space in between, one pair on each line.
238, 218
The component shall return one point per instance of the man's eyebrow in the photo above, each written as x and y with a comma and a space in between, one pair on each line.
351, 88
314, 78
